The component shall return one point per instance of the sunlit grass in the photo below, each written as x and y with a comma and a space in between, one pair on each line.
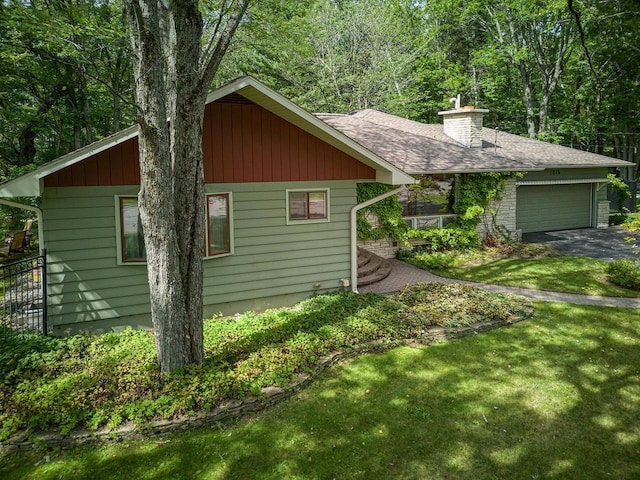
579, 275
556, 396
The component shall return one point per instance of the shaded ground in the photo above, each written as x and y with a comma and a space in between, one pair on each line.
604, 244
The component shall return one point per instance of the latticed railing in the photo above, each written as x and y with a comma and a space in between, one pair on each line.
430, 221
24, 293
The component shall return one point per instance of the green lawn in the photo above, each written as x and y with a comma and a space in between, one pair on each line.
580, 275
556, 396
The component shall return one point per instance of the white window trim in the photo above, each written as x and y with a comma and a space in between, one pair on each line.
121, 261
231, 235
308, 220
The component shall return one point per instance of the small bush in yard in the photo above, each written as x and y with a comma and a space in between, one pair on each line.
107, 380
625, 273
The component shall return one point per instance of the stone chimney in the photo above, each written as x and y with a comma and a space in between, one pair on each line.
464, 125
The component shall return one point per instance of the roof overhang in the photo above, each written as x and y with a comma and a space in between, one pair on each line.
31, 184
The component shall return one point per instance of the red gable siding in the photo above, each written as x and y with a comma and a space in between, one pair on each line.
242, 142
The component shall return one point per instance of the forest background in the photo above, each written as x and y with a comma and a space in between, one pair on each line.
562, 71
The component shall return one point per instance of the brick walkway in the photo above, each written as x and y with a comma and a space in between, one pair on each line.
403, 274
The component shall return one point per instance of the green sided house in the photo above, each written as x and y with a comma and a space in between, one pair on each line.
281, 203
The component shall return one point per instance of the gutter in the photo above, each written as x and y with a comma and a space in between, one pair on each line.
354, 233
38, 213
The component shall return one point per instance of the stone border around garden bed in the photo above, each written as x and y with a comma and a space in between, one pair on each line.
237, 408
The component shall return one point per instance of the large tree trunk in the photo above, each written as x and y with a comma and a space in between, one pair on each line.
156, 197
173, 74
187, 101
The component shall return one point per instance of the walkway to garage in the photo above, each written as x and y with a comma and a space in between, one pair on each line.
604, 244
403, 274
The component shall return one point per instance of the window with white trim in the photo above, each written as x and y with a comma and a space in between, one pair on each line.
218, 224
218, 232
132, 248
307, 206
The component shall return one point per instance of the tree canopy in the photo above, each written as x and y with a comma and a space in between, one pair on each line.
563, 71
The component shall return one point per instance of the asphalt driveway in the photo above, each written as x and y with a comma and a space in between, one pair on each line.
605, 244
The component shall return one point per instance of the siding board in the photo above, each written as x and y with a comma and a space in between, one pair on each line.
271, 259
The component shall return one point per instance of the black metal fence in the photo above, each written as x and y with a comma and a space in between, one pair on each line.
24, 293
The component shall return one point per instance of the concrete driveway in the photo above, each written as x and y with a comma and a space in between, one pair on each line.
605, 244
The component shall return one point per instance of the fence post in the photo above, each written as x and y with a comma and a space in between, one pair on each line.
43, 282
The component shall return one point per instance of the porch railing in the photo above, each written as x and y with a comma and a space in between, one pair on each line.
24, 293
430, 221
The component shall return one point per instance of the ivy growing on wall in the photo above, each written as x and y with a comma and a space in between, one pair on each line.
388, 211
473, 192
474, 195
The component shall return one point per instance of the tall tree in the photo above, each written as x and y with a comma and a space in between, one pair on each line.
62, 63
606, 108
176, 53
535, 37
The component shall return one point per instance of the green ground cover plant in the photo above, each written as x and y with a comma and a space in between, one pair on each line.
451, 237
625, 273
557, 396
106, 380
524, 266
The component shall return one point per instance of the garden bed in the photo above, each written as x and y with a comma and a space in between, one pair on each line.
85, 388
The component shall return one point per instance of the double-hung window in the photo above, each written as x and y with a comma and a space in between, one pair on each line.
306, 206
218, 234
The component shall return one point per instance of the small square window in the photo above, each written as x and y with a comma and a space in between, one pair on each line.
307, 205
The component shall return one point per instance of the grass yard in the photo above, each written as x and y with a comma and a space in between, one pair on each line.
556, 396
525, 267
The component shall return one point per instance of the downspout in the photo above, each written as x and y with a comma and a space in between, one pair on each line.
354, 233
38, 212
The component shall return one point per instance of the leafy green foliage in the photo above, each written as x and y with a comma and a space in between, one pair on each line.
620, 189
625, 273
114, 378
388, 211
476, 192
451, 237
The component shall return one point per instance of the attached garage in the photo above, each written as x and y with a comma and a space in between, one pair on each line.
554, 207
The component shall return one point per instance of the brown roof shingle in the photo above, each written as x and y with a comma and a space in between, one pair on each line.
424, 148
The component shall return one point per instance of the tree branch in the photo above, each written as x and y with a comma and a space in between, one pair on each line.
576, 16
211, 63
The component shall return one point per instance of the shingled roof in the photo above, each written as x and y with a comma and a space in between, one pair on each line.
424, 148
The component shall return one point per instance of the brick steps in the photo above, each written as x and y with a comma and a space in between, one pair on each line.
371, 268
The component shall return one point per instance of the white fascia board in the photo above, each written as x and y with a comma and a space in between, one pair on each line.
605, 162
30, 184
255, 91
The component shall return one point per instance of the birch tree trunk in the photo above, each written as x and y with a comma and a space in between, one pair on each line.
173, 73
